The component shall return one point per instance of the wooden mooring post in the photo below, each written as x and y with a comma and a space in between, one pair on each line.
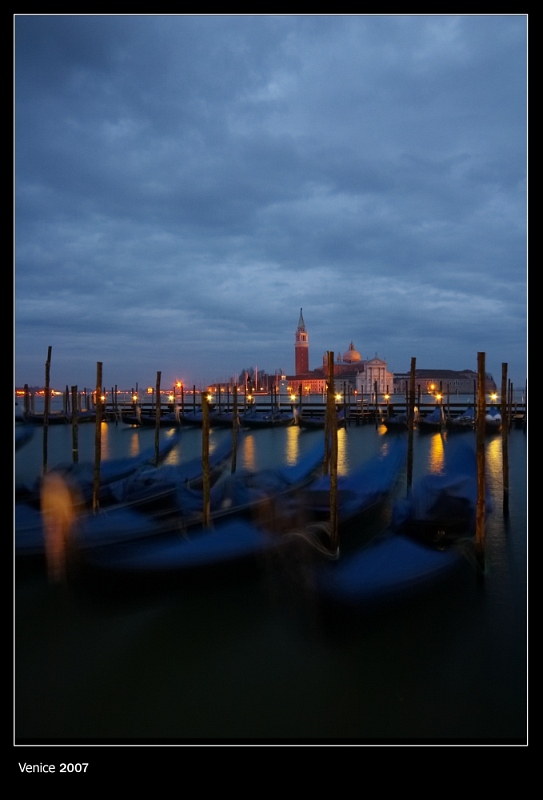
326, 463
75, 427
505, 441
510, 401
97, 440
411, 425
234, 428
47, 401
157, 418
205, 462
331, 435
480, 451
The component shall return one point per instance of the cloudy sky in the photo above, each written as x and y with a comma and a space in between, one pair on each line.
185, 184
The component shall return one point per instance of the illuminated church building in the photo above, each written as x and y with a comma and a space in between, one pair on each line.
349, 369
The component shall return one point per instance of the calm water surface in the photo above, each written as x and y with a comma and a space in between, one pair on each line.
256, 660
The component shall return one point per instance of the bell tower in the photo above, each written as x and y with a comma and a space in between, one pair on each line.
301, 348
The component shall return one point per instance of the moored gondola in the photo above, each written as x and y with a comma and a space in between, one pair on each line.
266, 419
463, 422
493, 420
317, 422
434, 421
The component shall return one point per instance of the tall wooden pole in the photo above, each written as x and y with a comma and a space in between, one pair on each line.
205, 461
326, 465
480, 449
75, 427
97, 439
411, 425
332, 437
510, 401
234, 428
47, 399
505, 442
157, 418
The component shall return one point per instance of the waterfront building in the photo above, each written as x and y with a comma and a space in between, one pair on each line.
433, 381
351, 371
375, 372
361, 376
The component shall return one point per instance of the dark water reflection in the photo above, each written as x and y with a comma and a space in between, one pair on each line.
258, 659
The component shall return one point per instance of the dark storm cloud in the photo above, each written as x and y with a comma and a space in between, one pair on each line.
186, 183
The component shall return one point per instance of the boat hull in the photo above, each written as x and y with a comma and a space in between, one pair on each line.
388, 571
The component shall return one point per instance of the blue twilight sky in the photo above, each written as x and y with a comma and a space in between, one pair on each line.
185, 184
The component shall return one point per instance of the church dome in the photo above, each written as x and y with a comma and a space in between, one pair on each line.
351, 355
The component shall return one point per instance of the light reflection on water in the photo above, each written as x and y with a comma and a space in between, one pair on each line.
436, 454
292, 454
249, 451
255, 661
104, 441
135, 445
494, 463
343, 463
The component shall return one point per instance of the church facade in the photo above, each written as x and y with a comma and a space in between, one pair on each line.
350, 370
